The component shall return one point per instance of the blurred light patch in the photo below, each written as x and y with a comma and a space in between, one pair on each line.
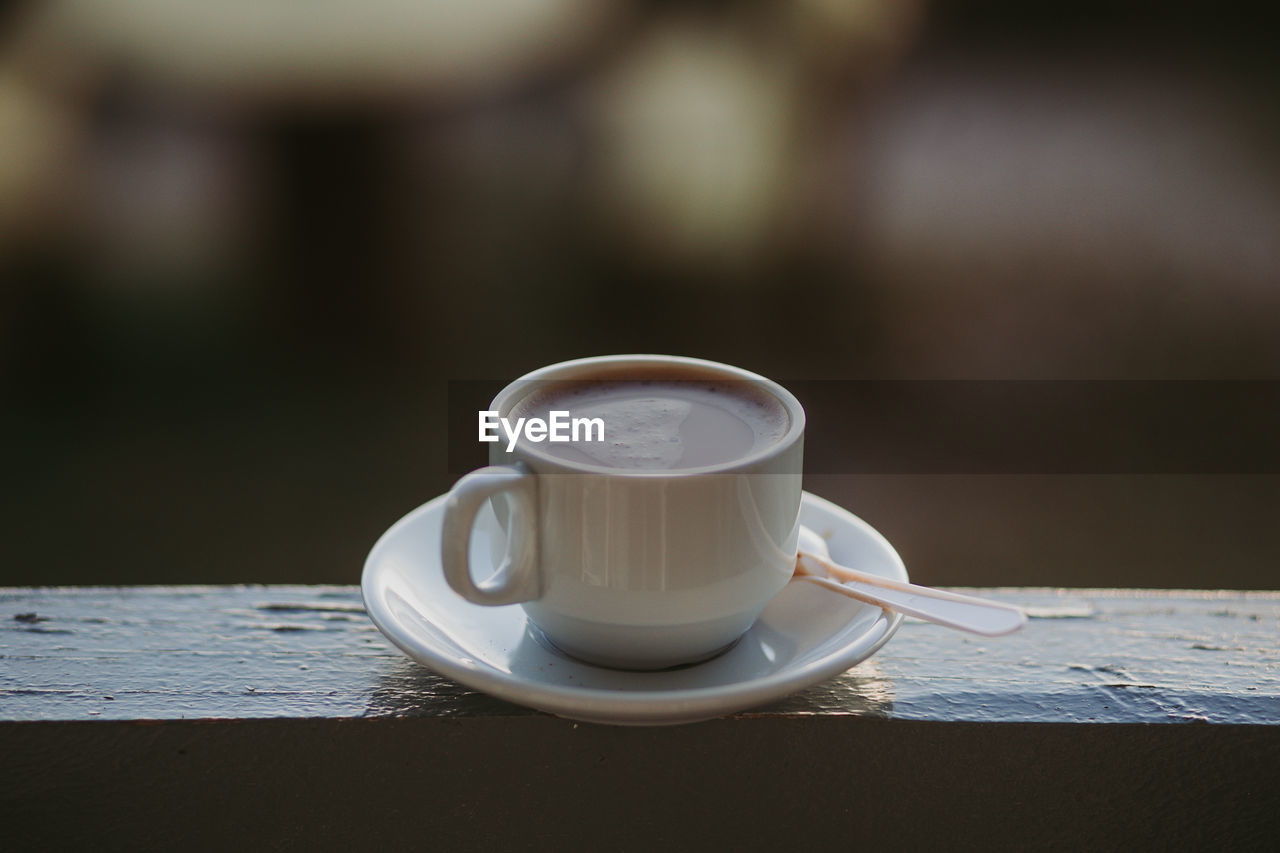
697, 127
326, 49
164, 192
1035, 216
1099, 174
710, 132
856, 35
38, 134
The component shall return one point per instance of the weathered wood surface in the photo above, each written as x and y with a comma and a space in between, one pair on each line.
146, 653
278, 718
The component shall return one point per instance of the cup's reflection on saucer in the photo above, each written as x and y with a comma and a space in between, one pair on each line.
540, 637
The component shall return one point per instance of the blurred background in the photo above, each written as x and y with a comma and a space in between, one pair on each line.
246, 247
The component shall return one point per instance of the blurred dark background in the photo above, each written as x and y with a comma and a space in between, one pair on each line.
246, 248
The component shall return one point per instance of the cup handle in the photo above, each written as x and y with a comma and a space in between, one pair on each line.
517, 578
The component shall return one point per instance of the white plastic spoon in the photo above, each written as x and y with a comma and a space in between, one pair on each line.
965, 612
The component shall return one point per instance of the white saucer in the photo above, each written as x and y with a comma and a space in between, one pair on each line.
805, 635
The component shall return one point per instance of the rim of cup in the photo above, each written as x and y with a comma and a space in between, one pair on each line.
586, 369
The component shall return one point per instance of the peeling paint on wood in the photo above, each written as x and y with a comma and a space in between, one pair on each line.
154, 653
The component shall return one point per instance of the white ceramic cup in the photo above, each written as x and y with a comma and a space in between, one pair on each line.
632, 568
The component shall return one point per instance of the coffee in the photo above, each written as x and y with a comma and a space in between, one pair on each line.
665, 422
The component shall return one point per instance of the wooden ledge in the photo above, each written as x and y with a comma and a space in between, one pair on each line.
278, 717
166, 653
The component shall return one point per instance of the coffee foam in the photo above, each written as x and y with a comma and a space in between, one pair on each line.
661, 424
640, 433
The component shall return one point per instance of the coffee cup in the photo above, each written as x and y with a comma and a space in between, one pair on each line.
657, 530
